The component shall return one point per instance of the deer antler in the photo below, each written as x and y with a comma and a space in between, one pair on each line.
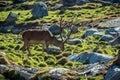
62, 25
71, 30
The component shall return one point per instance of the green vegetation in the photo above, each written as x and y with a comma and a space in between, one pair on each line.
12, 43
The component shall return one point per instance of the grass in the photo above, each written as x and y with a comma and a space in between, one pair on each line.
11, 43
80, 15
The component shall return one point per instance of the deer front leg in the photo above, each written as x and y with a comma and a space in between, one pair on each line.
28, 49
47, 45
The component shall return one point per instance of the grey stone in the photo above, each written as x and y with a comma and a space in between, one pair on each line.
40, 10
74, 29
107, 37
90, 58
81, 2
59, 72
55, 29
55, 50
115, 41
25, 74
89, 32
12, 17
6, 28
113, 31
113, 73
91, 69
111, 23
3, 68
73, 56
56, 7
2, 53
98, 34
74, 41
97, 57
69, 2
16, 30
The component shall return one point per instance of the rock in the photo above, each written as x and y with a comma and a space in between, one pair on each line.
2, 53
6, 28
3, 68
89, 32
111, 23
74, 41
69, 2
90, 58
81, 2
12, 17
40, 10
32, 70
74, 29
113, 31
98, 34
55, 50
115, 1
73, 56
91, 69
96, 57
55, 29
56, 7
57, 72
115, 41
107, 37
16, 30
113, 73
25, 74
18, 1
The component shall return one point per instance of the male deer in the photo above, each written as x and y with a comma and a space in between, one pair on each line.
44, 37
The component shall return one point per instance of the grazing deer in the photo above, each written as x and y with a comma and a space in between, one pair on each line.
44, 37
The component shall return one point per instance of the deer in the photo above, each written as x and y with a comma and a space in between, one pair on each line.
44, 37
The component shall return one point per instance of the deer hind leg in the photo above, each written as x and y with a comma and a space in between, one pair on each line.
23, 47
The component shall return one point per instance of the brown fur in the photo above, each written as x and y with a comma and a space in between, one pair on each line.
35, 36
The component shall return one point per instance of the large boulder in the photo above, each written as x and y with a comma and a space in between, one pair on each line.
113, 73
40, 10
12, 17
89, 32
90, 57
69, 2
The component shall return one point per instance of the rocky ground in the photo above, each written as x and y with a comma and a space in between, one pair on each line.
91, 53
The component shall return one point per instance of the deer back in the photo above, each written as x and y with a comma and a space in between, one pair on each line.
37, 35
